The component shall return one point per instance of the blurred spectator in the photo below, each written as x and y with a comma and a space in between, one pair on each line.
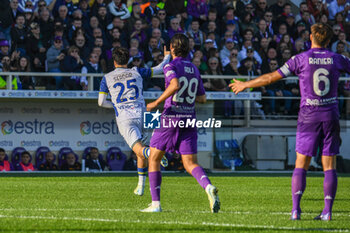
226, 51
25, 164
197, 35
95, 163
117, 8
46, 26
6, 67
71, 164
138, 33
151, 10
232, 67
72, 63
23, 65
248, 23
277, 89
4, 48
54, 56
262, 32
243, 53
340, 20
91, 67
14, 8
49, 164
317, 8
174, 7
269, 23
303, 7
337, 6
5, 165
197, 9
162, 18
263, 48
149, 54
19, 34
277, 8
174, 27
214, 69
135, 15
35, 48
6, 18
342, 38
103, 17
261, 8
250, 57
341, 49
248, 68
82, 46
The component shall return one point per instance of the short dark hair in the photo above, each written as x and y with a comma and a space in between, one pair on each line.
2, 149
322, 34
180, 44
121, 55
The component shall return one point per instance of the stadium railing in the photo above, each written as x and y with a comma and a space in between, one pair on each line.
245, 97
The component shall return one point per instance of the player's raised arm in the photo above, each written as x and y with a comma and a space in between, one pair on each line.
171, 89
159, 68
263, 80
102, 96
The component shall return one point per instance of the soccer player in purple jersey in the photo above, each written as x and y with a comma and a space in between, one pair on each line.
184, 86
318, 70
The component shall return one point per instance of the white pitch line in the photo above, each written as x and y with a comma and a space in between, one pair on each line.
176, 223
189, 211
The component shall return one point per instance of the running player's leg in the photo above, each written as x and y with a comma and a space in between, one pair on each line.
192, 167
331, 146
155, 179
139, 150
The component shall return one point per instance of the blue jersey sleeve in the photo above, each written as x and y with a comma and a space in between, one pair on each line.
145, 73
103, 86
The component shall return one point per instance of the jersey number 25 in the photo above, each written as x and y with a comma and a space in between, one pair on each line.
129, 84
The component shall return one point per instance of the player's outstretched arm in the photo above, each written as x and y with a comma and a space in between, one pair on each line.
103, 102
263, 80
159, 68
171, 89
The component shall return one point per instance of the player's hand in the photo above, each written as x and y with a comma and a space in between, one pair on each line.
151, 106
166, 52
237, 86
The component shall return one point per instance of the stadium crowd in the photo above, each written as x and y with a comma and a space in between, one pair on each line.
227, 37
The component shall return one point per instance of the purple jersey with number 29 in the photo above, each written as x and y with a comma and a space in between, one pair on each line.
180, 106
318, 70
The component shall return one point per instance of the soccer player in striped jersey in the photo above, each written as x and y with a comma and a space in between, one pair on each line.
125, 88
318, 70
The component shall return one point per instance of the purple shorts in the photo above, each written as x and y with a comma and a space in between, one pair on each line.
318, 135
179, 140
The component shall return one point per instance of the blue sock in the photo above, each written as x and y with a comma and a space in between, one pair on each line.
142, 172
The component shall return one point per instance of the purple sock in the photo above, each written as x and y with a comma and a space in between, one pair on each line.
200, 176
155, 180
329, 188
298, 187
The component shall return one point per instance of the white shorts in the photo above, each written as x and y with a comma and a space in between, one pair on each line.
131, 130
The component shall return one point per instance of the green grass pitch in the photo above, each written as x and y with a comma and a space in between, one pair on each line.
107, 204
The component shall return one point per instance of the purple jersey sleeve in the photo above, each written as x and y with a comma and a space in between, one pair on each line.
289, 67
169, 73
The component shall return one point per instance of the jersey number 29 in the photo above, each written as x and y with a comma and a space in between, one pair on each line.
190, 86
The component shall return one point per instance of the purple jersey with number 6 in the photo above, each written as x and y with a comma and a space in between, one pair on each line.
180, 106
318, 70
